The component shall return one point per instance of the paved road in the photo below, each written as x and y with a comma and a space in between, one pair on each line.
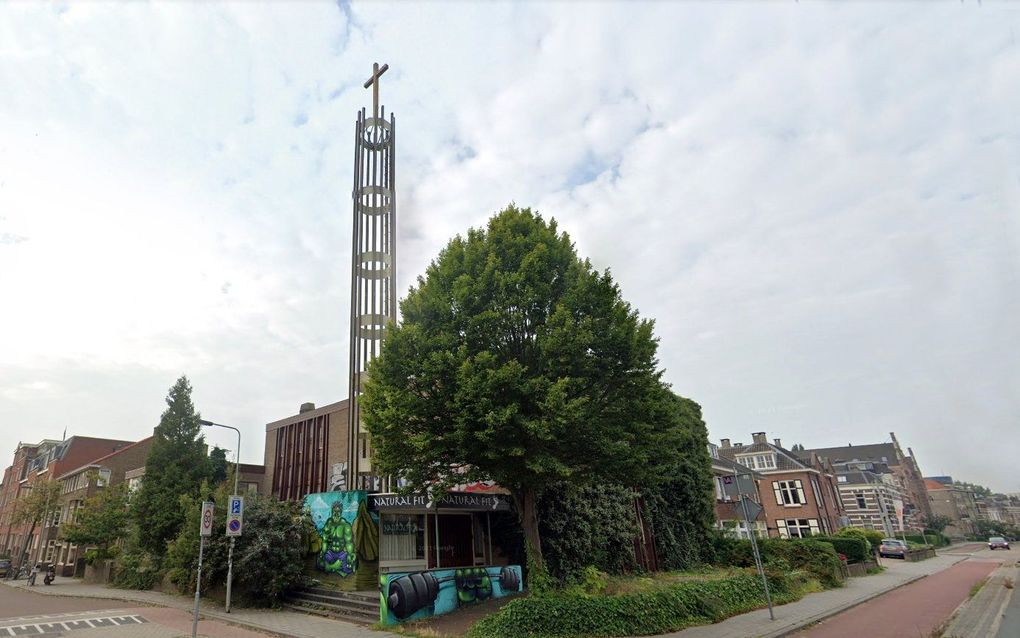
25, 612
20, 602
917, 609
1010, 627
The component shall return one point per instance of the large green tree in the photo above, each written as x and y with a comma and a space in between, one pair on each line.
102, 521
517, 361
175, 467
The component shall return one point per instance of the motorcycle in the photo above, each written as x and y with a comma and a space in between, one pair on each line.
51, 573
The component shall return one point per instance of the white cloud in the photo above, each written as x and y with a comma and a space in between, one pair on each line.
817, 203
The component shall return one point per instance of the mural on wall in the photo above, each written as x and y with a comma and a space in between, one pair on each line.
345, 541
415, 595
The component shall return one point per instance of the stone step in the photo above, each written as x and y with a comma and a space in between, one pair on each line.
348, 595
336, 612
318, 598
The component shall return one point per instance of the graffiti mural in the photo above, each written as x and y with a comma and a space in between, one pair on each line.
415, 595
345, 541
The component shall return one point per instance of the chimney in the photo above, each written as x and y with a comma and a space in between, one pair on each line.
306, 407
777, 442
725, 443
759, 437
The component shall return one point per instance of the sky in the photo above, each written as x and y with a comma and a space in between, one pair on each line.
818, 204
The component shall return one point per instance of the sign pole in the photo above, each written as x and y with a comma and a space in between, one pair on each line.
204, 530
754, 546
198, 587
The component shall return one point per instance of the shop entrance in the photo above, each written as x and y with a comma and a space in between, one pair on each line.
456, 541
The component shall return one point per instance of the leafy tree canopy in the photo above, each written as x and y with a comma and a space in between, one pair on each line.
937, 522
518, 362
41, 501
102, 521
217, 465
175, 467
980, 490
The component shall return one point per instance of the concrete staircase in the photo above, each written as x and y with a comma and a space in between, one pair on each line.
356, 607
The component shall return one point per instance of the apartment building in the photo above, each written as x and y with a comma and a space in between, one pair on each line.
871, 496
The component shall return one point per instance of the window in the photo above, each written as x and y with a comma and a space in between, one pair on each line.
758, 461
403, 537
861, 502
841, 479
818, 492
789, 493
104, 478
797, 527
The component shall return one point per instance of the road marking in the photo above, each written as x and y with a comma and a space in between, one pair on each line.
21, 628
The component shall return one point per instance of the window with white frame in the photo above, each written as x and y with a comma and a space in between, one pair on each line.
818, 492
758, 461
789, 493
862, 503
797, 527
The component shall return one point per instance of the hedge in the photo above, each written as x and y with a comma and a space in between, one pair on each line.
670, 608
933, 539
807, 554
856, 550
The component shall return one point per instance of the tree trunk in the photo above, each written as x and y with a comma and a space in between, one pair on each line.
24, 546
529, 523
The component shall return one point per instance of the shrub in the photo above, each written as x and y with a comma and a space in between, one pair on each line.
933, 538
136, 569
856, 550
815, 557
874, 537
658, 611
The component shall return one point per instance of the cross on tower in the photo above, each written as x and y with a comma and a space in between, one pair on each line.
373, 82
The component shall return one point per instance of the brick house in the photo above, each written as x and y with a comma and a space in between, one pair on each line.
800, 497
40, 462
728, 515
82, 483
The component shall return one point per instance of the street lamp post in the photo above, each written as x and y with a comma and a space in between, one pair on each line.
237, 473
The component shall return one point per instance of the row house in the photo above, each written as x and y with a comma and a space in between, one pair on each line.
79, 485
871, 496
903, 467
799, 496
42, 462
729, 515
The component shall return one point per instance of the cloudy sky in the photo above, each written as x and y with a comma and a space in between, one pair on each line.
818, 204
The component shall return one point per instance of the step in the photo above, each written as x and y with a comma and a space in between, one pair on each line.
347, 595
335, 612
331, 599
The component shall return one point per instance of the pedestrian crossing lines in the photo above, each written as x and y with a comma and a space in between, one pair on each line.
51, 626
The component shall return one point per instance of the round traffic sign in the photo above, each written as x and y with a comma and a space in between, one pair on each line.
207, 519
234, 525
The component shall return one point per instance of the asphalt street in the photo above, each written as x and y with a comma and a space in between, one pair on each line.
26, 613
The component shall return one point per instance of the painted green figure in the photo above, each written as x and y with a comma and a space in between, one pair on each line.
336, 556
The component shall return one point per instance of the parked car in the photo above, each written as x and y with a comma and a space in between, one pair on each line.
998, 542
891, 548
5, 567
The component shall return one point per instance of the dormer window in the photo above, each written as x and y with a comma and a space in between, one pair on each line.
765, 461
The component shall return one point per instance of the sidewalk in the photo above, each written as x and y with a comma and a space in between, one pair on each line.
289, 624
816, 607
982, 615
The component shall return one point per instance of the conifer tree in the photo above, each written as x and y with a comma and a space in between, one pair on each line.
175, 467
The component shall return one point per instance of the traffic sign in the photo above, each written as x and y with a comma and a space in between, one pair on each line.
752, 508
205, 528
235, 515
